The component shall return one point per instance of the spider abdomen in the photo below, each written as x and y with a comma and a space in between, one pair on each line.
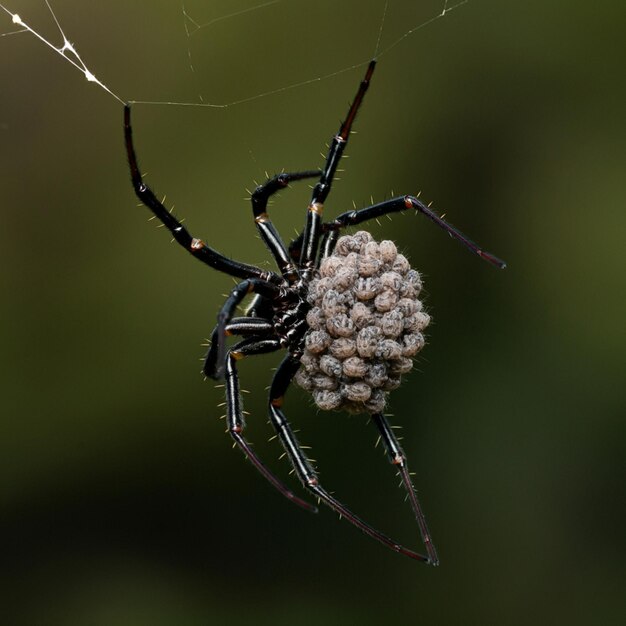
365, 325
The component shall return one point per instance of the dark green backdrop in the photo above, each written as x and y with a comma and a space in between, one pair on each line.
121, 501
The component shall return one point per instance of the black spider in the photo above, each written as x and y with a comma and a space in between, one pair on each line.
283, 316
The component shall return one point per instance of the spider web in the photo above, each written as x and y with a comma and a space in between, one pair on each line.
66, 50
196, 27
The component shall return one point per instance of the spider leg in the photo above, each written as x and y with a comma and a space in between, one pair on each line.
236, 422
260, 307
402, 203
398, 458
239, 292
304, 468
194, 246
329, 241
295, 248
267, 230
257, 327
313, 225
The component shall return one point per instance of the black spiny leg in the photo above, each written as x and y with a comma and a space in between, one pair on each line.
302, 465
256, 327
295, 248
312, 229
402, 203
236, 423
398, 458
260, 307
267, 230
329, 241
194, 246
214, 366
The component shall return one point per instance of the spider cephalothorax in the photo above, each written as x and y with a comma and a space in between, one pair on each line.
345, 309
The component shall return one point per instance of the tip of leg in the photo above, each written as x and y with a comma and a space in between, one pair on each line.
490, 258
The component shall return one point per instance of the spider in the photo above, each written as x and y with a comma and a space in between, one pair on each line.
345, 310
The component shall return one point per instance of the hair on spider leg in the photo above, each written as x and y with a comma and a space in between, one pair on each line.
346, 310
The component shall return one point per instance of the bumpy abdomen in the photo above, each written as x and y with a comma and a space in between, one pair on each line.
366, 324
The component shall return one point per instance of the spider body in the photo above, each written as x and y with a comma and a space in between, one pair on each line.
345, 310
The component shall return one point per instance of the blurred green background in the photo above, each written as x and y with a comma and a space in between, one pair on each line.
121, 501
